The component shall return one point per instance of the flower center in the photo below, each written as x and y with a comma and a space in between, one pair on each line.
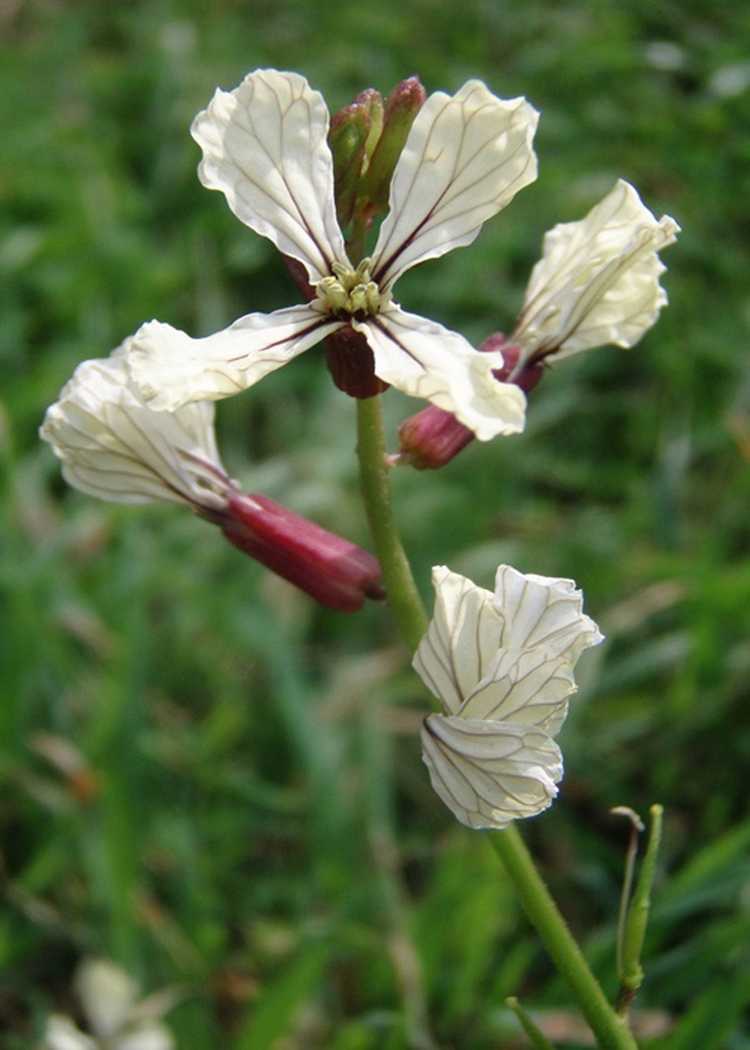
350, 293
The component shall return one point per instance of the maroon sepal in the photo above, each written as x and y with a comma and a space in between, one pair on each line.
352, 365
331, 570
432, 437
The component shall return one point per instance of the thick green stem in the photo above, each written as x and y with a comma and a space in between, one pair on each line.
400, 587
611, 1031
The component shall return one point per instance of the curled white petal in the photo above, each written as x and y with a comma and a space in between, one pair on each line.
423, 359
170, 368
543, 611
61, 1034
489, 773
146, 1037
115, 447
107, 995
526, 686
264, 147
465, 158
462, 640
597, 282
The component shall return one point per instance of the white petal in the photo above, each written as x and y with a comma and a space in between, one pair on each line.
107, 995
598, 279
62, 1034
146, 1037
264, 146
543, 611
170, 368
529, 687
115, 447
490, 773
465, 158
462, 640
423, 359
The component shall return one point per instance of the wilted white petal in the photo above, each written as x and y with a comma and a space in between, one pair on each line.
61, 1034
115, 447
529, 687
170, 368
462, 640
146, 1037
107, 995
598, 279
465, 158
489, 773
423, 359
264, 146
543, 611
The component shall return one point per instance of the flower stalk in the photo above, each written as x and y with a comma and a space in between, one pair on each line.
611, 1030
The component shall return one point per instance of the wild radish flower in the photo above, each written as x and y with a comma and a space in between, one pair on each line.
502, 667
115, 1019
597, 283
114, 446
265, 148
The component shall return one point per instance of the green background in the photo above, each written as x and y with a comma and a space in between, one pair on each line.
244, 812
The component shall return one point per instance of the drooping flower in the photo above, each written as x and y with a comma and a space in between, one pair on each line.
115, 1018
597, 283
264, 147
116, 447
501, 664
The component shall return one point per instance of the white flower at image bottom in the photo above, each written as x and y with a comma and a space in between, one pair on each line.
501, 664
265, 148
116, 1019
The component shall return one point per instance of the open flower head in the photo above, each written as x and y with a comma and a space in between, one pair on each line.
265, 148
501, 664
114, 446
115, 1019
597, 282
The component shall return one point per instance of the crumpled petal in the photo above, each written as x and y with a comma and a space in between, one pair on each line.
423, 359
489, 773
61, 1034
115, 447
597, 282
170, 369
107, 995
465, 158
543, 611
264, 146
146, 1037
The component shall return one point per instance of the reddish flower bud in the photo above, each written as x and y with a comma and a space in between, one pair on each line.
432, 437
352, 365
331, 570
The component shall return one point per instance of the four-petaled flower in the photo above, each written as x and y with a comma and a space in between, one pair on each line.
502, 667
264, 147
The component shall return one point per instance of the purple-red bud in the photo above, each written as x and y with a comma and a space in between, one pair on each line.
401, 108
352, 364
432, 437
331, 570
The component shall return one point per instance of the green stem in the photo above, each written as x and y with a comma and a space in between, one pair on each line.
611, 1031
403, 596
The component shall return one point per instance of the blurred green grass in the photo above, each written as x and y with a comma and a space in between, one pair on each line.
251, 820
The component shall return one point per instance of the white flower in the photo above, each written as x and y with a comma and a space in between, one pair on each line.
597, 282
117, 1021
264, 147
502, 667
114, 446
